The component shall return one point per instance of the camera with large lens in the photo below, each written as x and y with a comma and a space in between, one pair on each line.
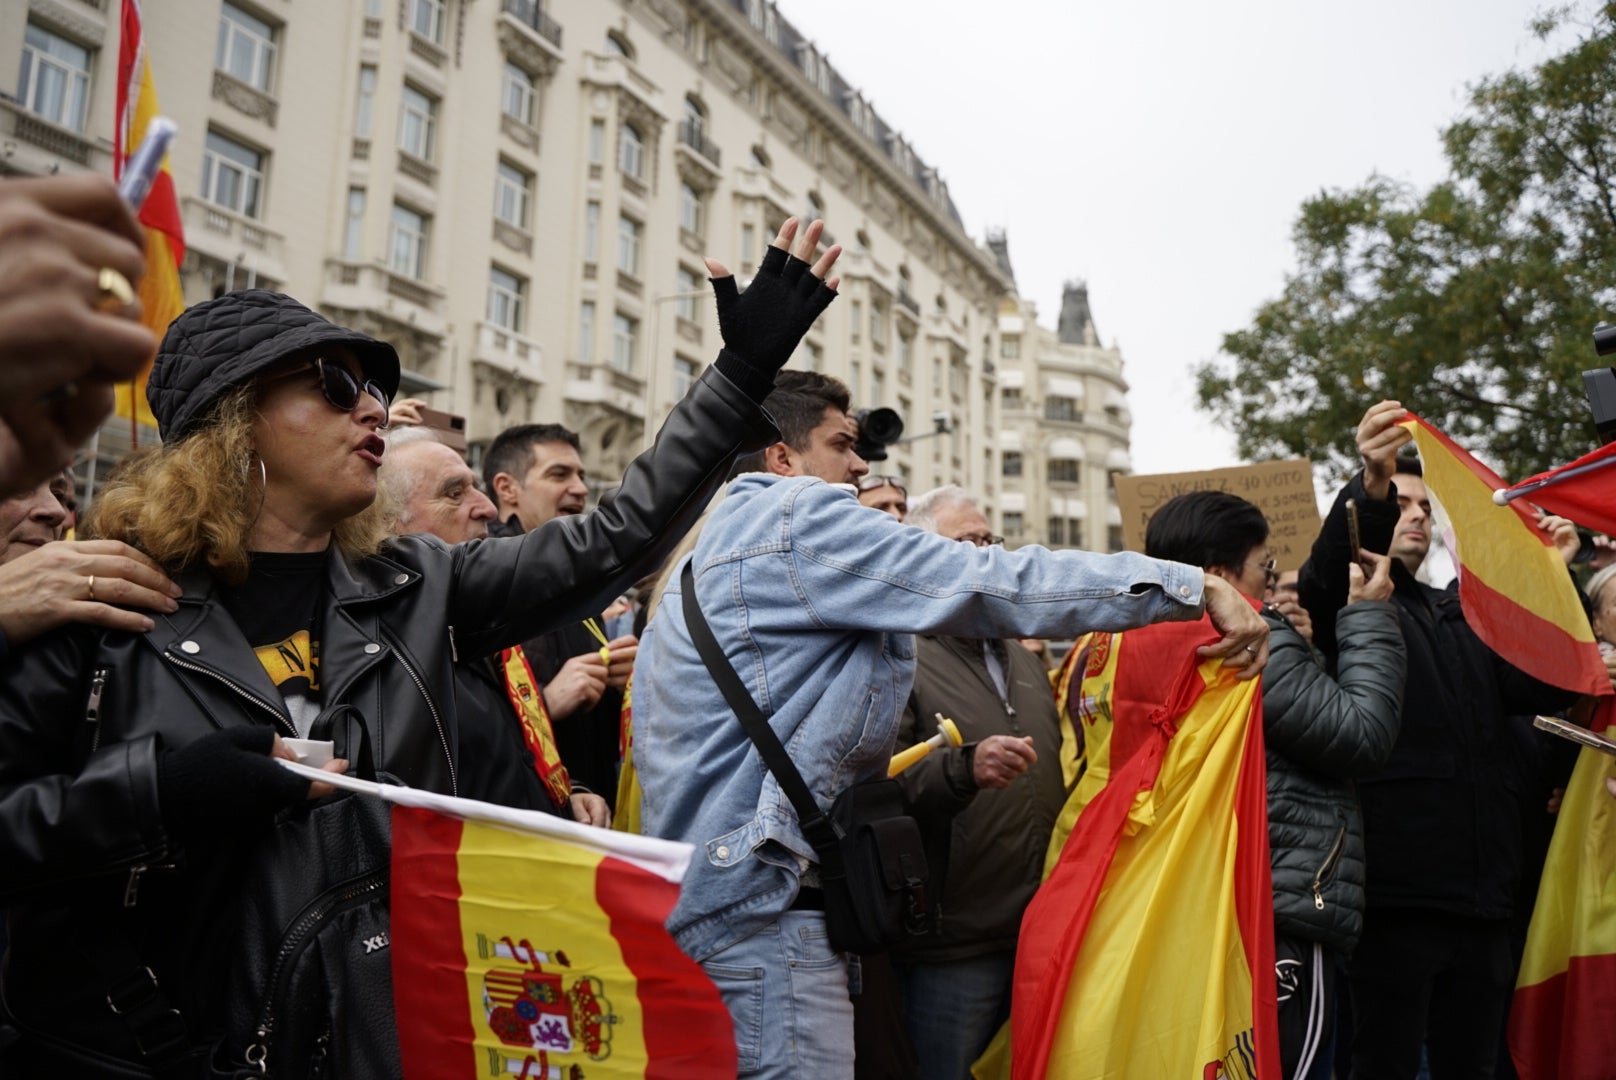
878, 429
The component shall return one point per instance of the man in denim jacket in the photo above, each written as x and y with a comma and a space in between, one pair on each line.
814, 600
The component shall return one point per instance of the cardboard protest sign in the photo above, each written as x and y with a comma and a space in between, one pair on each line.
1282, 490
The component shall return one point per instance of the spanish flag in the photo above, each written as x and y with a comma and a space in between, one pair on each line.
1583, 490
1562, 1022
1513, 584
161, 298
1148, 951
626, 812
528, 946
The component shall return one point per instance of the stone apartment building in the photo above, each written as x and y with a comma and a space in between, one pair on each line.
518, 196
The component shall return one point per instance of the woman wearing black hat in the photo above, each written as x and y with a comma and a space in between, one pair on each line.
134, 767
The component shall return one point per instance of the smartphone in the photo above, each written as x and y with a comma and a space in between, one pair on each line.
1574, 733
1354, 536
140, 172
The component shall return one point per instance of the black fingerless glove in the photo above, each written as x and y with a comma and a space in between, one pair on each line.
762, 326
222, 781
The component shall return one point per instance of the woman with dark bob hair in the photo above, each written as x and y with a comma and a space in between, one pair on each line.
136, 769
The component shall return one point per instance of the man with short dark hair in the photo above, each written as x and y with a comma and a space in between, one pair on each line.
818, 434
1442, 829
535, 474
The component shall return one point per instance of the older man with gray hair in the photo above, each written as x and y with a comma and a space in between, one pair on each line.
504, 757
987, 807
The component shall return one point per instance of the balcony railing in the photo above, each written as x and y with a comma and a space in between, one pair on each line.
532, 16
691, 134
906, 301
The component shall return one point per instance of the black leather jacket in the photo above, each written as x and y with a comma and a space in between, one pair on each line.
84, 715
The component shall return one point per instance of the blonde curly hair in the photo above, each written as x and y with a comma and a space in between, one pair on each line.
196, 500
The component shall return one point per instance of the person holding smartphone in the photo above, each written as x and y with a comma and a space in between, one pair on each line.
1442, 821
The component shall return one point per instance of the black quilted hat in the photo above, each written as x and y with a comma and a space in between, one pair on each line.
216, 346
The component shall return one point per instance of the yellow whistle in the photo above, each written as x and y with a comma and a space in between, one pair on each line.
947, 735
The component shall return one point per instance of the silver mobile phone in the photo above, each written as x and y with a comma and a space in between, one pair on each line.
1575, 734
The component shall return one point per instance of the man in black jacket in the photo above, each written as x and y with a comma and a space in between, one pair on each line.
1442, 830
506, 756
535, 475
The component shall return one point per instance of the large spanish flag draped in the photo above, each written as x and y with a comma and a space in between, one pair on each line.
160, 296
526, 945
1562, 1022
1513, 584
1148, 951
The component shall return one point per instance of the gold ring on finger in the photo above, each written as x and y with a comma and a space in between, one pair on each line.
92, 587
116, 293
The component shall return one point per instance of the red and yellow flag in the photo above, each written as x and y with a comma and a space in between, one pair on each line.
1148, 951
1513, 584
1583, 490
1562, 1022
626, 815
160, 295
528, 946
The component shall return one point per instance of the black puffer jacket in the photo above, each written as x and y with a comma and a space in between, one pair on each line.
80, 820
1321, 734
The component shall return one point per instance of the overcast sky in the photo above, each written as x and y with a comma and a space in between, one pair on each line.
1161, 150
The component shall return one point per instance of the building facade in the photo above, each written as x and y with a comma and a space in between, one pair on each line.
519, 196
1065, 425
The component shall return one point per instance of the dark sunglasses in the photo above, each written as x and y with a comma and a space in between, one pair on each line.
341, 389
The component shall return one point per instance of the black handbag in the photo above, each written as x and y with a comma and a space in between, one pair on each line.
872, 862
311, 991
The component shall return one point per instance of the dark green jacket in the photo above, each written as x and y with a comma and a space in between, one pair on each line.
986, 848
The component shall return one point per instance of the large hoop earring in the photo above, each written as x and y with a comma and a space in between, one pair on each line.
263, 480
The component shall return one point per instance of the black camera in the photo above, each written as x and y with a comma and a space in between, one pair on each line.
878, 429
1600, 385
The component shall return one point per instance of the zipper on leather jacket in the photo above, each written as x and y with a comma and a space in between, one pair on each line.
92, 706
282, 721
1327, 868
131, 889
437, 721
337, 899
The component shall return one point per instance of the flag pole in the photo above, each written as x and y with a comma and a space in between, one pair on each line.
1505, 496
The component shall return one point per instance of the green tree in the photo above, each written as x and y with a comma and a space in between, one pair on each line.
1471, 303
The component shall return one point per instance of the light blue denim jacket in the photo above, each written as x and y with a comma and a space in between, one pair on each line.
814, 599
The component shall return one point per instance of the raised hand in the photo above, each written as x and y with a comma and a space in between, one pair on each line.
1379, 439
1567, 541
65, 337
1377, 586
763, 325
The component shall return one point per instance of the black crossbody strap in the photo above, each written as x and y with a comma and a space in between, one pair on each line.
818, 828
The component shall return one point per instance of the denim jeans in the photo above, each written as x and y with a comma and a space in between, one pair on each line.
787, 991
953, 1010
